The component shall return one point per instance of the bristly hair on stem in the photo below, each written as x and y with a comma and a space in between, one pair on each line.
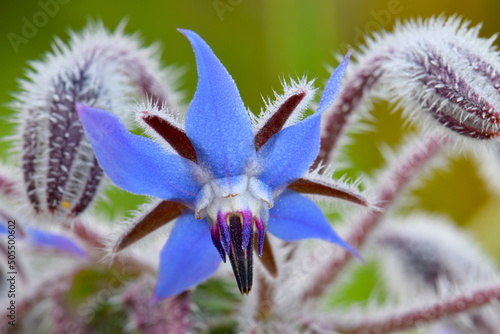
411, 159
426, 256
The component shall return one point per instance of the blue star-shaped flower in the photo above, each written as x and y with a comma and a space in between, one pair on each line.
224, 185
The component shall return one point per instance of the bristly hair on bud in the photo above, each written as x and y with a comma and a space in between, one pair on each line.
97, 68
441, 71
427, 256
438, 71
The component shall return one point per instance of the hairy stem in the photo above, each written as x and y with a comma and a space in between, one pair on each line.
86, 234
390, 187
401, 320
96, 243
356, 85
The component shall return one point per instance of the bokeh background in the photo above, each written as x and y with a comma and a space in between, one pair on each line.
261, 42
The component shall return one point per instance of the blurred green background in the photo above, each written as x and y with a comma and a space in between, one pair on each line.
261, 41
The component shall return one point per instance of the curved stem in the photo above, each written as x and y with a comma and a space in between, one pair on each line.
390, 186
338, 116
409, 318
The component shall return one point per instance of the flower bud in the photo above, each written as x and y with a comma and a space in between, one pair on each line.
439, 71
97, 68
443, 72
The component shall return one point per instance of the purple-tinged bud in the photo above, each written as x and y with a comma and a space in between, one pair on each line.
442, 72
452, 97
97, 68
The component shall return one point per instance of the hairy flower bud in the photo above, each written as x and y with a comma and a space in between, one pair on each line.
440, 73
445, 69
98, 68
425, 256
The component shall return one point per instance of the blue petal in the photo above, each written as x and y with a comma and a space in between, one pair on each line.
295, 217
333, 85
45, 239
288, 154
135, 163
217, 122
188, 258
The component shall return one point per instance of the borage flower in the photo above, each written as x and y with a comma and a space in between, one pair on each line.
226, 183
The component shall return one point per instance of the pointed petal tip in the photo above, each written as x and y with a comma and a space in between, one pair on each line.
225, 150
183, 31
348, 54
189, 34
79, 106
83, 109
84, 256
353, 251
333, 85
154, 300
